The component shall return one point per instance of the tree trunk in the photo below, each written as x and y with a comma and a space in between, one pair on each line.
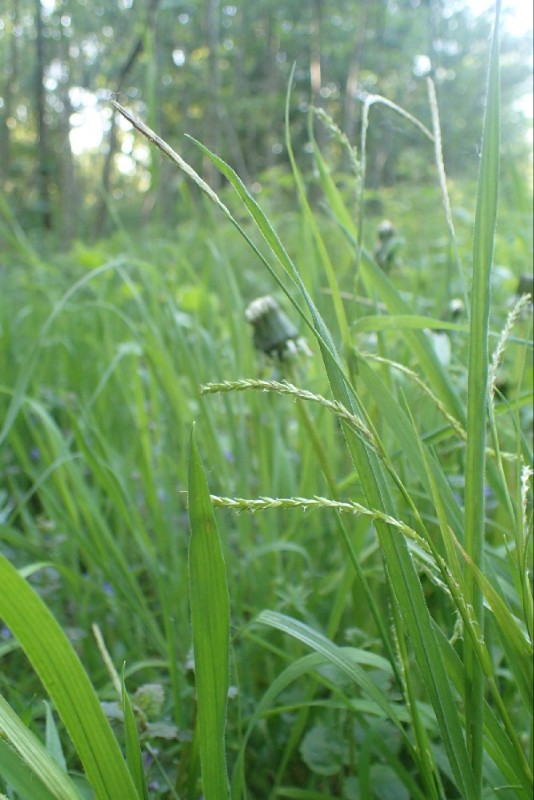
10, 87
351, 85
107, 170
316, 65
213, 132
68, 193
43, 163
273, 48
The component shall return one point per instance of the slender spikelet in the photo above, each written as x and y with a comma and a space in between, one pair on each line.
506, 332
283, 387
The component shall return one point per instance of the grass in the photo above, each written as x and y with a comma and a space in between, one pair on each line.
366, 509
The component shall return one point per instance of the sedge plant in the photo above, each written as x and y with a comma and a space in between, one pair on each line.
405, 665
456, 671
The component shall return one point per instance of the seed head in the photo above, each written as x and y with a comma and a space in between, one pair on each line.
274, 333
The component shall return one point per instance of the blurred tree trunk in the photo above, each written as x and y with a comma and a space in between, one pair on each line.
152, 205
315, 53
213, 130
43, 156
316, 65
234, 145
68, 193
273, 47
122, 75
242, 81
351, 84
9, 90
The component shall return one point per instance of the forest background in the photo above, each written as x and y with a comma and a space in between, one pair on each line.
219, 72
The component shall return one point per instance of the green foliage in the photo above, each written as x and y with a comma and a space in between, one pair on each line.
367, 611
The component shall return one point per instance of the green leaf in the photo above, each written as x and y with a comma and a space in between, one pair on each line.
388, 786
342, 658
210, 620
20, 777
26, 761
311, 663
324, 750
418, 341
134, 756
67, 684
477, 390
404, 322
402, 574
53, 742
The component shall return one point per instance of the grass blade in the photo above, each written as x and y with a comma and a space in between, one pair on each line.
134, 757
67, 684
402, 573
210, 619
20, 777
477, 391
25, 763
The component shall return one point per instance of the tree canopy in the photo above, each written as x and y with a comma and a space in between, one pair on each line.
220, 72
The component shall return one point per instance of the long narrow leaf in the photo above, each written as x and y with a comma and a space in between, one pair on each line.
134, 756
401, 571
403, 576
485, 219
67, 684
304, 665
26, 754
210, 619
20, 777
342, 658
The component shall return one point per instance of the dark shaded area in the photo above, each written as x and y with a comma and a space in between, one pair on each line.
219, 72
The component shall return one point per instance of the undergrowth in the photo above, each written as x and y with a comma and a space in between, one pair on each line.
353, 549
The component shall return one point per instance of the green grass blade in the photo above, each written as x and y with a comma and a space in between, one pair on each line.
26, 764
418, 625
302, 666
340, 657
513, 637
498, 744
397, 419
67, 684
417, 340
402, 573
134, 756
333, 196
210, 619
264, 226
25, 374
312, 222
52, 739
18, 775
395, 322
272, 239
485, 219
